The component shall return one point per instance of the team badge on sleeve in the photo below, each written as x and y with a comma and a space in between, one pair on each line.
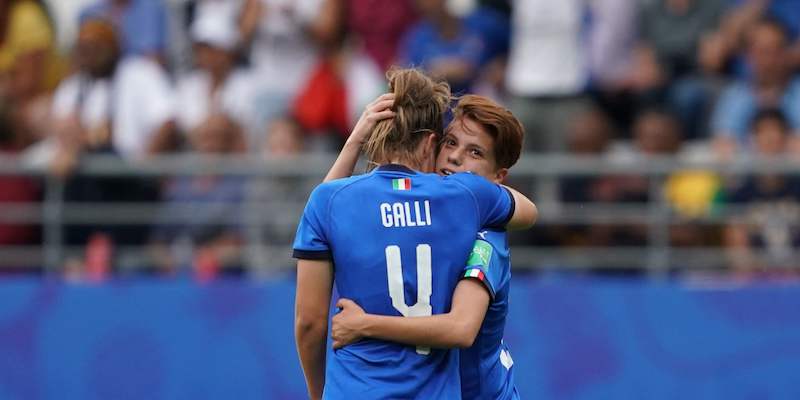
481, 254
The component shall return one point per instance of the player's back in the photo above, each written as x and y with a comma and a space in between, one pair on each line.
399, 240
486, 366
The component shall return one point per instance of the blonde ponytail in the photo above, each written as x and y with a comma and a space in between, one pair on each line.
419, 105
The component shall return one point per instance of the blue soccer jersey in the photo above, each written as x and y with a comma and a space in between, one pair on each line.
398, 240
486, 367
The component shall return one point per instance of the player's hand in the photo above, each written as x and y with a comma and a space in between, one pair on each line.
374, 112
345, 328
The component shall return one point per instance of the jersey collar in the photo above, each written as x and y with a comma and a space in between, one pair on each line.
396, 168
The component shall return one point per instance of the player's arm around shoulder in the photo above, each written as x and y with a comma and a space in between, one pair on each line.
525, 211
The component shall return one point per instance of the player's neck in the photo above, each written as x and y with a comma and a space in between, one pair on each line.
411, 164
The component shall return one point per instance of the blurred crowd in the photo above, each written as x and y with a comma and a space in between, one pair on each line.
624, 79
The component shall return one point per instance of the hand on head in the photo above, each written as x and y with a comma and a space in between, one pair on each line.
378, 110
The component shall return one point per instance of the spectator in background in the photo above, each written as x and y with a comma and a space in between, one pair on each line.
611, 42
451, 47
142, 25
29, 69
215, 235
787, 11
283, 38
771, 85
547, 69
677, 46
285, 196
589, 134
663, 64
656, 133
109, 106
375, 29
285, 139
215, 85
659, 133
720, 49
15, 190
81, 106
380, 25
66, 20
123, 104
767, 231
344, 79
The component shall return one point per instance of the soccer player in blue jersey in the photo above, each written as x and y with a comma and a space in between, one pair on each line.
486, 139
398, 239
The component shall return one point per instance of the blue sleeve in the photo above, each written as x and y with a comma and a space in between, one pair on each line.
733, 112
484, 265
495, 203
311, 240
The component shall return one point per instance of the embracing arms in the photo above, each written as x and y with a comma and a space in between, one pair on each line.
525, 211
457, 328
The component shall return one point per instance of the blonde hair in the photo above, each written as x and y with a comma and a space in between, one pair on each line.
419, 107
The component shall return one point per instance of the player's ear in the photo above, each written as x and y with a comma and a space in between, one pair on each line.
430, 144
427, 147
427, 151
500, 175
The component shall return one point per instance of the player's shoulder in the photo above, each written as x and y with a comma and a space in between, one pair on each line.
329, 189
472, 183
467, 178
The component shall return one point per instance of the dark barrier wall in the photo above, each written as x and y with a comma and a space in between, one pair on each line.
584, 339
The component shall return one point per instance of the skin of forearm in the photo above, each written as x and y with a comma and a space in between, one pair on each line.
525, 212
311, 343
312, 299
346, 161
440, 331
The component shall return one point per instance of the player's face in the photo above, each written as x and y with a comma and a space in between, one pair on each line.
467, 147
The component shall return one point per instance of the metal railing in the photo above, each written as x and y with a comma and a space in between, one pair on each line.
538, 175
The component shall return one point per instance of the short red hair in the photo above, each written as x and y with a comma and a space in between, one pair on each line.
498, 122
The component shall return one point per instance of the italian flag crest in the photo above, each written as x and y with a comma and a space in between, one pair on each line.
401, 184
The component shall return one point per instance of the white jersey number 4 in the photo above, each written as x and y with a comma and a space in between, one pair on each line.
394, 271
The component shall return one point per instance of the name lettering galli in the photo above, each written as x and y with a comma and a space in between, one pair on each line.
406, 214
